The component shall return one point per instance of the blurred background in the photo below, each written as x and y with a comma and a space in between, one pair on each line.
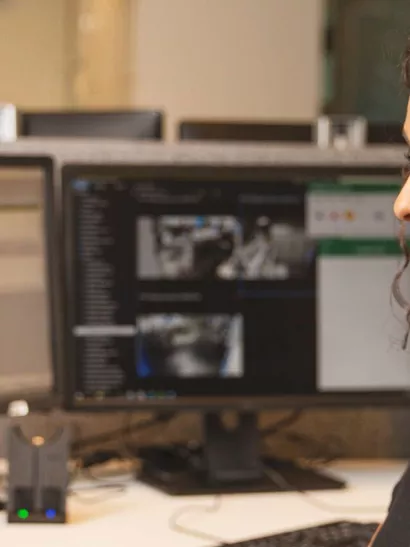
261, 60
250, 60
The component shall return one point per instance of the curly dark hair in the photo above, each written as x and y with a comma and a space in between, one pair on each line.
406, 65
396, 290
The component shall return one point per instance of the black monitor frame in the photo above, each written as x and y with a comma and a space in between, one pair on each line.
52, 124
291, 132
209, 404
208, 130
43, 400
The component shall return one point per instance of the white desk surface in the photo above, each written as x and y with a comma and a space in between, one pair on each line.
140, 516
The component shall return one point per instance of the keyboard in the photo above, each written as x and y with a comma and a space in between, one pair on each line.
336, 534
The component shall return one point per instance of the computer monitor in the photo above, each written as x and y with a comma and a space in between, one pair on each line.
132, 124
377, 133
385, 133
28, 345
217, 288
245, 131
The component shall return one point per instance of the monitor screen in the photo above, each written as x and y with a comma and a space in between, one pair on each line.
186, 290
26, 365
132, 124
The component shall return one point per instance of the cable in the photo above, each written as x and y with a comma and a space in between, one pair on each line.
129, 450
111, 491
322, 452
283, 423
176, 526
108, 486
286, 486
109, 481
308, 442
99, 457
108, 436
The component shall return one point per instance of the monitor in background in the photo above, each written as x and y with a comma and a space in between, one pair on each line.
245, 131
28, 363
133, 124
377, 133
187, 290
385, 133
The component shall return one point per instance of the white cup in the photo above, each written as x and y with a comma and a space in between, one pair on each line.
8, 122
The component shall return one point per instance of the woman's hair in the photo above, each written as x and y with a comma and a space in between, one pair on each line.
406, 65
396, 290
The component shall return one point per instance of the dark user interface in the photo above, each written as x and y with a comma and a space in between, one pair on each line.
190, 289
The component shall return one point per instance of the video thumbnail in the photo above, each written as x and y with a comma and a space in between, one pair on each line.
270, 250
221, 247
189, 346
186, 247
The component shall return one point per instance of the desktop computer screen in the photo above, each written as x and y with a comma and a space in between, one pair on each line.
26, 342
132, 124
188, 290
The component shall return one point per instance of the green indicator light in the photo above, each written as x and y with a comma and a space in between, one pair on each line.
23, 514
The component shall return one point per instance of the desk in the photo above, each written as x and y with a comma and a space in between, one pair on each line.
140, 516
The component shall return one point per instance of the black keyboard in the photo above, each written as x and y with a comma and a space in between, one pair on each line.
336, 534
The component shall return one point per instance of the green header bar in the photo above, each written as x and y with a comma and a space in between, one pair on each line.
359, 247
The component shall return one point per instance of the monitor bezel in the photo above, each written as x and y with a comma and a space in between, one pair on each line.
44, 399
30, 120
396, 398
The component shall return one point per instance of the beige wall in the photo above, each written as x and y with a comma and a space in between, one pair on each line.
103, 72
32, 53
249, 59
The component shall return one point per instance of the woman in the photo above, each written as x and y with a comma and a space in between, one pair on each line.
395, 532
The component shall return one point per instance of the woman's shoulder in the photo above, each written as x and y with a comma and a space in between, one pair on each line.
396, 528
401, 490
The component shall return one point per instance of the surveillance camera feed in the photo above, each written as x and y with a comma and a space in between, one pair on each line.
224, 248
226, 288
25, 363
189, 346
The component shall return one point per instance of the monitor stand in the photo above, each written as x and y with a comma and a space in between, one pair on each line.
228, 462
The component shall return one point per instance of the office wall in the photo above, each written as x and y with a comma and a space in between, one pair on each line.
248, 59
101, 32
32, 53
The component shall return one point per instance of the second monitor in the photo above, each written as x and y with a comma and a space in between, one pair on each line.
29, 366
120, 124
213, 291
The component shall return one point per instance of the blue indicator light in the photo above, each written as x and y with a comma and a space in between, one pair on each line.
51, 514
80, 185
